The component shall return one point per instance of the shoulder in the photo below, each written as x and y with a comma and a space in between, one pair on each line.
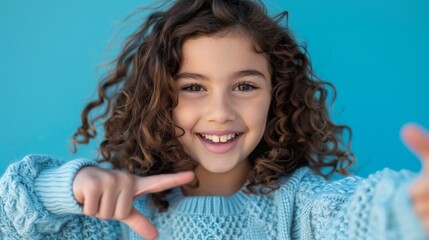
389, 175
383, 186
307, 188
306, 181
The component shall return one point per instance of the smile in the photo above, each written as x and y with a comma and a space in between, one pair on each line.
219, 144
219, 138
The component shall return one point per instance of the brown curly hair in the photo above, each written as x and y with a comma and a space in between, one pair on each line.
139, 96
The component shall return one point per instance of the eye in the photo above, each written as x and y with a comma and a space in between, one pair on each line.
192, 88
245, 87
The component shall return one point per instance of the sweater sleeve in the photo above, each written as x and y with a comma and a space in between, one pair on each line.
378, 207
37, 202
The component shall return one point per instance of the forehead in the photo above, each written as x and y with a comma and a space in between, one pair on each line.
223, 52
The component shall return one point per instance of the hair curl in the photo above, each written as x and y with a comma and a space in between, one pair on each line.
139, 96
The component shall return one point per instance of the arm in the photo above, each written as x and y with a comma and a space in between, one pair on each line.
40, 199
379, 208
386, 205
36, 202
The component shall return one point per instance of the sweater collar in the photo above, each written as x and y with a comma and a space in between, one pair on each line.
209, 205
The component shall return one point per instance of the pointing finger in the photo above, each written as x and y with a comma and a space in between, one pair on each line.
157, 183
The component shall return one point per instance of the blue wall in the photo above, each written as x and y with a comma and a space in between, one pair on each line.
375, 52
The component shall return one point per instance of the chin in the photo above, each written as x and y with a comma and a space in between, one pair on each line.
217, 169
218, 166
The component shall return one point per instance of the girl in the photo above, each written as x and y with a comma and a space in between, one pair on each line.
215, 128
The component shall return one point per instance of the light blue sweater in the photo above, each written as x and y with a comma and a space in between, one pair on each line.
36, 202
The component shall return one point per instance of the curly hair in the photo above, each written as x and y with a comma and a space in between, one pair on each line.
139, 95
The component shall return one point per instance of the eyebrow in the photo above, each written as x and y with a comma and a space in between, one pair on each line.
239, 74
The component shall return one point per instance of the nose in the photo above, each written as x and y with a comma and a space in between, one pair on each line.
220, 108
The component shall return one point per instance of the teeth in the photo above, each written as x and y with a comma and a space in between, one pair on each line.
222, 138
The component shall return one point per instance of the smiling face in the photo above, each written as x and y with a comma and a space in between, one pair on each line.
224, 96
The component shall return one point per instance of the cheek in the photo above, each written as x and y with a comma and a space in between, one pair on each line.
185, 116
256, 114
181, 118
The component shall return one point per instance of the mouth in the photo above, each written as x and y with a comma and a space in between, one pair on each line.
219, 144
219, 139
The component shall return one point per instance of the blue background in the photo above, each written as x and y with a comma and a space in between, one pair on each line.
375, 52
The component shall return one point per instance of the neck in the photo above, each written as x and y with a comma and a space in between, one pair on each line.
219, 184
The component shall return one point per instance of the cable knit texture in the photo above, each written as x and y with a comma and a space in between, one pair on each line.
36, 202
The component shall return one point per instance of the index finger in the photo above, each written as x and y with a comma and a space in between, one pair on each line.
161, 182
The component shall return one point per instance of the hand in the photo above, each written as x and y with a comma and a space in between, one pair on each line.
110, 194
418, 141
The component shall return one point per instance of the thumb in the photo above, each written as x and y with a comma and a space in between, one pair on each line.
161, 182
418, 141
136, 221
140, 224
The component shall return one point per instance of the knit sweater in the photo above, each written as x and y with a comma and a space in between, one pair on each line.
36, 202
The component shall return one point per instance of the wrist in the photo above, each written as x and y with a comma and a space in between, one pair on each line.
54, 187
